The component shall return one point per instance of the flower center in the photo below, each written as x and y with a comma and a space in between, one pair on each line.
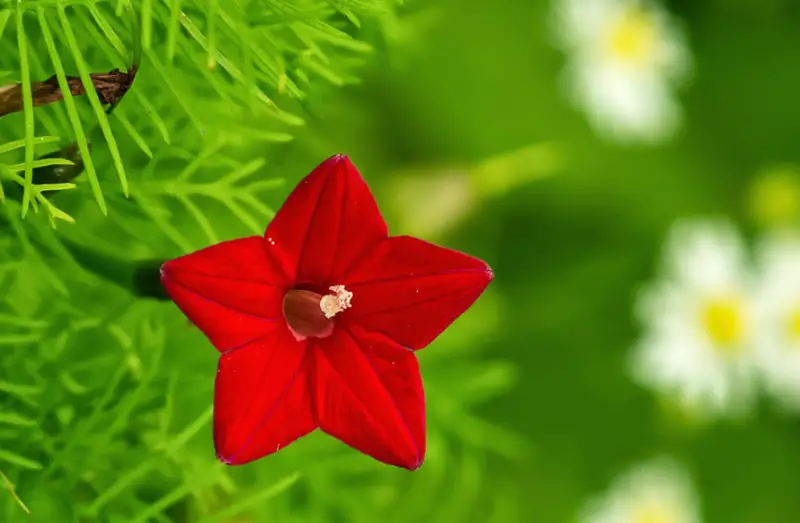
309, 314
654, 514
331, 304
632, 38
723, 322
793, 325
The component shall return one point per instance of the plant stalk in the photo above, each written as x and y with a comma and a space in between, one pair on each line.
110, 88
141, 278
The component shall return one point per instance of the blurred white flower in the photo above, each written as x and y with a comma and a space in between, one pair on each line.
697, 323
625, 58
777, 308
659, 491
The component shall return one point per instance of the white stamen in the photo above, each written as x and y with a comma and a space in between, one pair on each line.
333, 304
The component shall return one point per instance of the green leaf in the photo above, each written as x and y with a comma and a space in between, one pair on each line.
72, 112
19, 339
147, 23
149, 208
21, 391
211, 24
141, 99
179, 95
237, 74
177, 494
126, 480
11, 489
134, 134
255, 499
21, 321
201, 219
27, 98
12, 418
44, 162
108, 32
173, 28
16, 144
102, 118
20, 461
5, 14
71, 385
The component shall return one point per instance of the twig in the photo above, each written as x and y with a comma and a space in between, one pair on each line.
110, 88
10, 487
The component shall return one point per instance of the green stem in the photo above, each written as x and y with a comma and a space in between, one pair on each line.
142, 278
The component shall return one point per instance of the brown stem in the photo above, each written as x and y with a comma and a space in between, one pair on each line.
110, 88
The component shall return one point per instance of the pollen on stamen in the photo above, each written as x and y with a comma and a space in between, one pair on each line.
332, 304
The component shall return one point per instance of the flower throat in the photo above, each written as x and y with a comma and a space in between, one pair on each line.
310, 314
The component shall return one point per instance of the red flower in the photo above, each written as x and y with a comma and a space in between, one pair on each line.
318, 320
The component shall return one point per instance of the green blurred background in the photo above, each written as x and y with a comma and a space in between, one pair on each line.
531, 411
570, 250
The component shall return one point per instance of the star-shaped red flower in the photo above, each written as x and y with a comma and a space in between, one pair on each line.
318, 320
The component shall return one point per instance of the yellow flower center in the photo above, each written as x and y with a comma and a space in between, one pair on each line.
793, 325
723, 321
633, 37
654, 513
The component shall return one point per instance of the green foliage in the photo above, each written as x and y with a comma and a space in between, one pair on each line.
105, 399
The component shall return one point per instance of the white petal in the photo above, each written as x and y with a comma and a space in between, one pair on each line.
777, 300
580, 23
707, 256
672, 54
625, 100
624, 104
676, 355
661, 482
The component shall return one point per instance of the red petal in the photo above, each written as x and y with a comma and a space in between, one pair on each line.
412, 290
230, 290
328, 222
369, 395
262, 398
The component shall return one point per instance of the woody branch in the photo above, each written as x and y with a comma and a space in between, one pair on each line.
109, 87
